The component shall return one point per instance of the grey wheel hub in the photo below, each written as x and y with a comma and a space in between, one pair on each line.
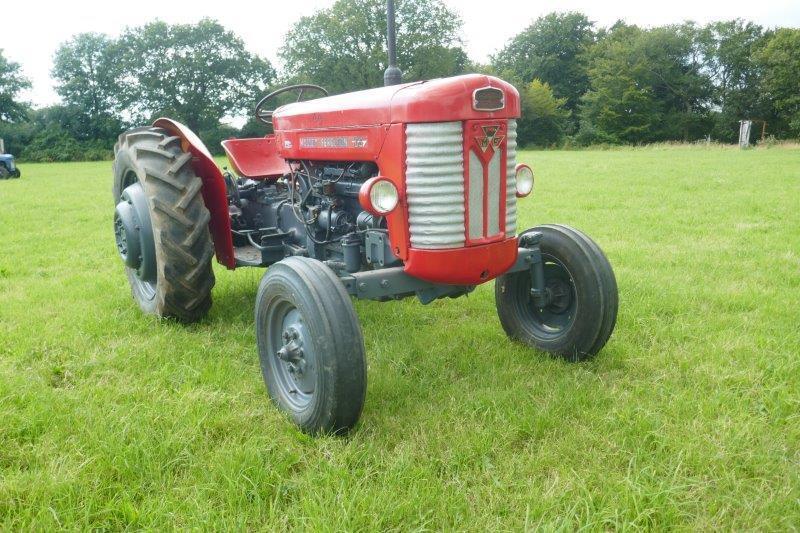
295, 356
291, 352
556, 311
133, 232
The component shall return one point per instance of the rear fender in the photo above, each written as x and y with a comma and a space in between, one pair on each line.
214, 192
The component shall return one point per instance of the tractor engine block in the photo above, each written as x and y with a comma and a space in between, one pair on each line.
311, 211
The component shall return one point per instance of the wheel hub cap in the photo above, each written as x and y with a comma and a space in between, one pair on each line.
291, 352
295, 357
559, 295
133, 233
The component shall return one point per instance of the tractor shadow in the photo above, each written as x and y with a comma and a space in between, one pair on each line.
450, 357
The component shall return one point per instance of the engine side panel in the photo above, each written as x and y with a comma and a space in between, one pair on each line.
331, 144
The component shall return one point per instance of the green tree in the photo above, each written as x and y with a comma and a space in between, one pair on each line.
16, 135
544, 117
780, 61
343, 48
554, 50
12, 82
645, 86
729, 49
86, 79
196, 73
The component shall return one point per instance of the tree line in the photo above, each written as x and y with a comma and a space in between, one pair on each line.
580, 84
632, 85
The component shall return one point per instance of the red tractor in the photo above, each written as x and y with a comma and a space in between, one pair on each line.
405, 190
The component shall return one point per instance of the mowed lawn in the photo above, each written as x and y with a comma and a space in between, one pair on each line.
689, 418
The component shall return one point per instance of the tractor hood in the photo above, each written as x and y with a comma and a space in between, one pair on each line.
439, 100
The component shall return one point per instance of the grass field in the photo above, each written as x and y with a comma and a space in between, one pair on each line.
690, 417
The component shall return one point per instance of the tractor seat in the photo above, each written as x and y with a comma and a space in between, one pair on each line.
256, 158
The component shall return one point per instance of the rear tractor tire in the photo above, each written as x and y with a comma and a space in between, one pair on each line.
161, 225
310, 346
579, 310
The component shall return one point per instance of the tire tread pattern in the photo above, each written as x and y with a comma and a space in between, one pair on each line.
184, 249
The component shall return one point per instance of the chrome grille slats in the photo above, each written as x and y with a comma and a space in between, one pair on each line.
447, 187
435, 184
422, 156
475, 196
511, 183
494, 193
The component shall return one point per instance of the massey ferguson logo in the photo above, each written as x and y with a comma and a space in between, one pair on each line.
490, 138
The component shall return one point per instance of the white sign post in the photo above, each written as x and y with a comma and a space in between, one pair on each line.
744, 133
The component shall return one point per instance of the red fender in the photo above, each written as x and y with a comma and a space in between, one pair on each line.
214, 192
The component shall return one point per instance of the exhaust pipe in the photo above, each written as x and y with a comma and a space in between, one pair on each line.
393, 75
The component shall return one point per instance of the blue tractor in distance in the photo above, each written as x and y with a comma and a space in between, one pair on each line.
8, 169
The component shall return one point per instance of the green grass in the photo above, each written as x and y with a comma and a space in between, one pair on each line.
689, 417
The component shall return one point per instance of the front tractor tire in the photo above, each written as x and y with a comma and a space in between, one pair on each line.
310, 346
576, 314
161, 225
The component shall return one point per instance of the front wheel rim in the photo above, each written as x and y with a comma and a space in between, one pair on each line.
557, 316
292, 355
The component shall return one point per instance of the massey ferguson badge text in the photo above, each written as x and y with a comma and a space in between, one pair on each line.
333, 142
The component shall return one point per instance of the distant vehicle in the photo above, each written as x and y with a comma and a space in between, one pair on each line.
8, 169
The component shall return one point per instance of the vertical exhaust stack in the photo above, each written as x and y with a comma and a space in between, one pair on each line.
393, 74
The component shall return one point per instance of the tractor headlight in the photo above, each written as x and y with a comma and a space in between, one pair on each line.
378, 195
524, 176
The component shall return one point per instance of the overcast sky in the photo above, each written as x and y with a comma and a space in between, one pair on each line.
31, 30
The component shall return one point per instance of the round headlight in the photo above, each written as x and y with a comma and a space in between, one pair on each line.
379, 196
383, 196
524, 176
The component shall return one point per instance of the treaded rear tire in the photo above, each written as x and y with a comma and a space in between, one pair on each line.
333, 335
179, 218
595, 293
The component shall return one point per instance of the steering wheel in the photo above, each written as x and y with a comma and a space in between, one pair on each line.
265, 115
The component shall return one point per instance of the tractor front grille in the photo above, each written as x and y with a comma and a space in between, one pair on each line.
445, 200
435, 184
